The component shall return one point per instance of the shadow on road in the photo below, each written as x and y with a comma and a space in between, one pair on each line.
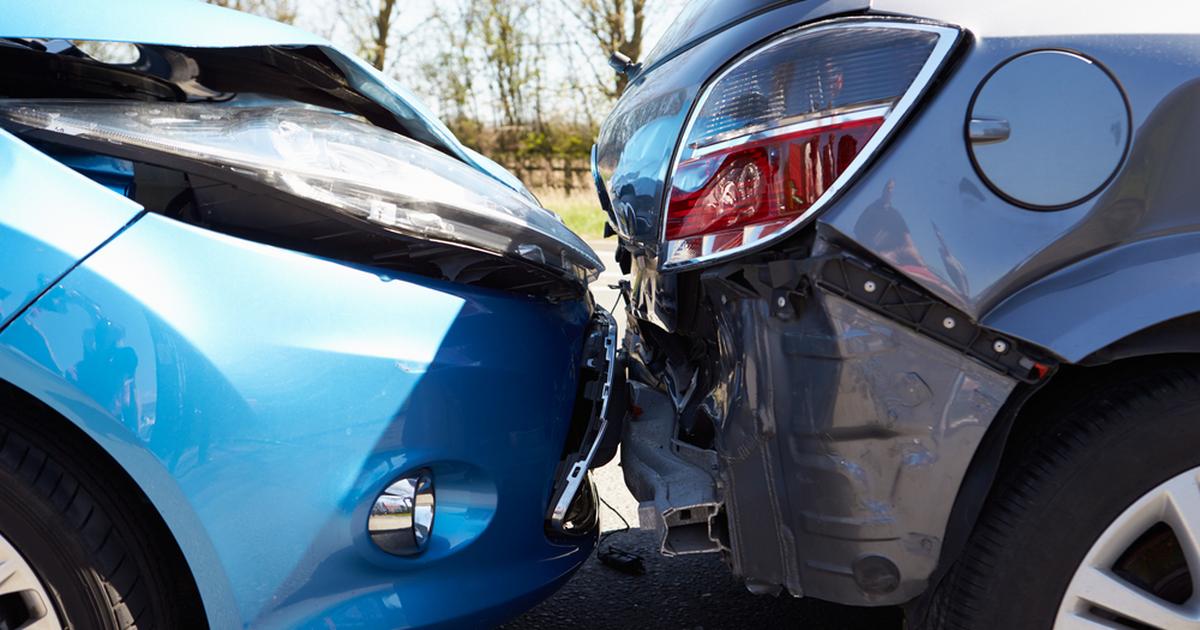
684, 592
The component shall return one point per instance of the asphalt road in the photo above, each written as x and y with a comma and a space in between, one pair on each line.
684, 592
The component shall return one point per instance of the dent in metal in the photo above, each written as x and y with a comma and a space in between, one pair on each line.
840, 434
861, 429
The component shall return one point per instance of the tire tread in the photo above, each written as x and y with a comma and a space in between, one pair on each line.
963, 599
126, 594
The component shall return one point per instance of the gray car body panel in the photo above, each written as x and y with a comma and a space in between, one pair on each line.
855, 440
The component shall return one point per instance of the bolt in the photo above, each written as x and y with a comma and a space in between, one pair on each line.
1000, 346
949, 323
869, 286
724, 299
782, 301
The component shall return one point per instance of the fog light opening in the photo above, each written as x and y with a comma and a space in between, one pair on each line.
401, 520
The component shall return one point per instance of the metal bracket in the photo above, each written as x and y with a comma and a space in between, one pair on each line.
568, 488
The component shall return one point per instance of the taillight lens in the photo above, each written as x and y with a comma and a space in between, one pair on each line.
777, 134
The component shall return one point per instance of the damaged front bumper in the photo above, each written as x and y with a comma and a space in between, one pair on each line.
595, 429
813, 425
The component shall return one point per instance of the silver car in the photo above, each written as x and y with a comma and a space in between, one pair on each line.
914, 303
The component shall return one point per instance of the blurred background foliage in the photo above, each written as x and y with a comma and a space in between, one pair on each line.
525, 82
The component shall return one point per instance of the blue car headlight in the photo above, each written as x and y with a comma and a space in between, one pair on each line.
361, 172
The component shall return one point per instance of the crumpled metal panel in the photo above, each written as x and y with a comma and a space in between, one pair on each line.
841, 434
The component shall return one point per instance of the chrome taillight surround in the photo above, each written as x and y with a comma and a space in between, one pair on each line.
894, 115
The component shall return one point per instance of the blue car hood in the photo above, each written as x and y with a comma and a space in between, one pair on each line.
199, 25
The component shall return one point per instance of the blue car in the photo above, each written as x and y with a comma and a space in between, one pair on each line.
275, 349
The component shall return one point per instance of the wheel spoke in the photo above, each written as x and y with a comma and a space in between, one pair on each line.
1182, 513
1083, 621
46, 622
1103, 589
12, 578
8, 569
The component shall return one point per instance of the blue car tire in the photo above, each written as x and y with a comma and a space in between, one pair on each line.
93, 553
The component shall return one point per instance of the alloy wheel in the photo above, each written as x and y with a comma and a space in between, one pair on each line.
1138, 573
25, 603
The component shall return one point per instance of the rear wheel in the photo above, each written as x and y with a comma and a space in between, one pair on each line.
1094, 521
75, 550
1139, 572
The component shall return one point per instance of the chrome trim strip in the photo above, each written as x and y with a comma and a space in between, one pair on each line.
947, 38
796, 127
578, 472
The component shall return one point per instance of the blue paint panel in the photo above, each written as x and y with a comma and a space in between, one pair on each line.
174, 22
50, 218
262, 398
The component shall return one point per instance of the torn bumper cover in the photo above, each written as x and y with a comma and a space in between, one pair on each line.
594, 430
816, 449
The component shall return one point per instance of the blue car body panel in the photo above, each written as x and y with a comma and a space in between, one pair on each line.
262, 398
175, 22
42, 236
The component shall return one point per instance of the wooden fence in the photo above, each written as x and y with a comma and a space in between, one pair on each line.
564, 173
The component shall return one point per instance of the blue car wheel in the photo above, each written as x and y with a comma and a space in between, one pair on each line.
99, 561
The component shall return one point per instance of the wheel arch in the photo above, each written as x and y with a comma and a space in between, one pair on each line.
1018, 421
197, 582
1112, 298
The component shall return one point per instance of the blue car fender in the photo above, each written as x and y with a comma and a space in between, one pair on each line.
43, 236
262, 398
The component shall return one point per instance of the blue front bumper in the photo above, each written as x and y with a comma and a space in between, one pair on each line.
262, 398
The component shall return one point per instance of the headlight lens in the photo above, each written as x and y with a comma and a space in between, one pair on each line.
777, 134
359, 170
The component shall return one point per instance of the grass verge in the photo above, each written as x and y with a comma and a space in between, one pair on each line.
579, 210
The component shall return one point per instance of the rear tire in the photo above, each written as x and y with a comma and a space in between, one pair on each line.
1065, 485
89, 544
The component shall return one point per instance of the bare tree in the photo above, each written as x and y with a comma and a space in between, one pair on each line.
372, 23
616, 26
505, 35
450, 71
278, 10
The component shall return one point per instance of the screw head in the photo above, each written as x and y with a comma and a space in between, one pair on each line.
724, 299
869, 286
949, 323
782, 301
1000, 346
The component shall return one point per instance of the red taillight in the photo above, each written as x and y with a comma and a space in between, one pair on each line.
777, 134
762, 184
